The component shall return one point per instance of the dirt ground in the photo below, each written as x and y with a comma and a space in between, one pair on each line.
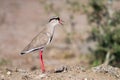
65, 58
64, 73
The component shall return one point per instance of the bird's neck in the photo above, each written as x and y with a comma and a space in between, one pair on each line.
51, 29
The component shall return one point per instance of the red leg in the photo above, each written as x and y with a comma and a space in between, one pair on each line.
41, 61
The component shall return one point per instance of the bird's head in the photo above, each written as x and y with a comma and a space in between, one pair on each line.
55, 21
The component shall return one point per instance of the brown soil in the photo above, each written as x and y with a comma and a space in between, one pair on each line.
68, 73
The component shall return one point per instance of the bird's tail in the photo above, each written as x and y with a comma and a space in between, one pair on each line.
22, 53
27, 51
30, 50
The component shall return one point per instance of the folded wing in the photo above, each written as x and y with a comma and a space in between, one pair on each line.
39, 42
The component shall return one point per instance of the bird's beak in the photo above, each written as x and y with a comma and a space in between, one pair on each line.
61, 22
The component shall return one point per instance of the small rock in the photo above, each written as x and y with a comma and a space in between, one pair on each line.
26, 77
88, 79
61, 69
9, 73
2, 76
20, 70
33, 68
41, 76
85, 79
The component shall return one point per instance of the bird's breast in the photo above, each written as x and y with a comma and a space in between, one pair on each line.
50, 37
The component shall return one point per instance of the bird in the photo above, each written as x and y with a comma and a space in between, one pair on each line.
40, 42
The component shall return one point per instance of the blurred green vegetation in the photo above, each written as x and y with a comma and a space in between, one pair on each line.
106, 32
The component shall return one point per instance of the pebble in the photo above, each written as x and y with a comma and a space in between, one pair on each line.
41, 76
2, 76
88, 79
9, 73
61, 69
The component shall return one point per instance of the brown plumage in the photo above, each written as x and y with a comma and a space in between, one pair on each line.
43, 38
38, 42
